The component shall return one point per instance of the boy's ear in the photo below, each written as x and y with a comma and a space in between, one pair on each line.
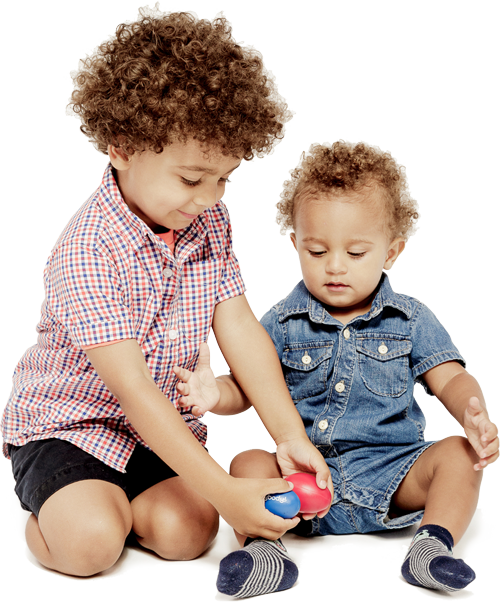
293, 239
119, 158
393, 252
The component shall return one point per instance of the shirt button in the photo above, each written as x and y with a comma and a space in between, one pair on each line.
323, 425
167, 272
172, 334
383, 349
347, 333
306, 358
339, 387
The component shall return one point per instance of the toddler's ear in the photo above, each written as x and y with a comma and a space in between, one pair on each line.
393, 252
293, 239
119, 158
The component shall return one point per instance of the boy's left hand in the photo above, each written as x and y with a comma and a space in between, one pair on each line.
300, 455
481, 433
199, 388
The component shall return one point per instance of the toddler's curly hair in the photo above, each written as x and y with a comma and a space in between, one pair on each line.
346, 167
169, 77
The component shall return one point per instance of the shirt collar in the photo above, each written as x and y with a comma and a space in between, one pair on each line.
117, 213
300, 301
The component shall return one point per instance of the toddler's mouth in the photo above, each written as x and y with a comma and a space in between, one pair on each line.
187, 215
336, 286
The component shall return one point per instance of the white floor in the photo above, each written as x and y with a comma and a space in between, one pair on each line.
356, 567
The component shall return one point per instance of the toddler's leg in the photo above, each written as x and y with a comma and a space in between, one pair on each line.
443, 482
261, 566
81, 529
174, 521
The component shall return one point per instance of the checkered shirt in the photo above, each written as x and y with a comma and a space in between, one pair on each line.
110, 278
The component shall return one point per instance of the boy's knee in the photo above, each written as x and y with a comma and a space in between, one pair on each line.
459, 454
184, 538
254, 463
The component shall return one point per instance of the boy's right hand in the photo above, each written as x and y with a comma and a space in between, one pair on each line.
199, 388
242, 506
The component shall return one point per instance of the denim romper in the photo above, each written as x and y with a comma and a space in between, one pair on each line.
353, 387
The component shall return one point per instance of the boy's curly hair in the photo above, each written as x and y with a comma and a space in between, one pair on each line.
168, 77
343, 168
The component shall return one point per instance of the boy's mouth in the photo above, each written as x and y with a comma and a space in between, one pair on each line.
336, 286
187, 215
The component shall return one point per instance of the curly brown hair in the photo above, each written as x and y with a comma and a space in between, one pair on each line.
170, 77
347, 168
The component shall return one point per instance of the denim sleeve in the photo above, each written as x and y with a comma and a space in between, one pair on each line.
431, 344
274, 329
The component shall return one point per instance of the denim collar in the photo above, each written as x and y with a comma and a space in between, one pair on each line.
300, 301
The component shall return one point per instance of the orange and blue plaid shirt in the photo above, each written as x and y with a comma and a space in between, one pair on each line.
110, 278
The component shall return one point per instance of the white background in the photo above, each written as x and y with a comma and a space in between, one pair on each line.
419, 79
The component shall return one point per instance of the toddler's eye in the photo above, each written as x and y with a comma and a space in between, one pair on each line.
190, 182
356, 255
316, 253
225, 181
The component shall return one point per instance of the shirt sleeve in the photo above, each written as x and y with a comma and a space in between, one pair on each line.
85, 294
231, 282
431, 345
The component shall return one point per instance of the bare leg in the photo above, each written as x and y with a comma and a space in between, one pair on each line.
174, 521
443, 482
81, 529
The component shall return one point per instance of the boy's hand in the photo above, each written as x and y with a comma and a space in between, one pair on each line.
481, 433
300, 455
242, 506
199, 388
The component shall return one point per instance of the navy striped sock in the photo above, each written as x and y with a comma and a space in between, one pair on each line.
260, 567
429, 562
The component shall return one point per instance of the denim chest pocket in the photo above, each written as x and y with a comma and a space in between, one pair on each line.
384, 363
305, 367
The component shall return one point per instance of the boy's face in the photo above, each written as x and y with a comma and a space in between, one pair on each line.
343, 247
172, 188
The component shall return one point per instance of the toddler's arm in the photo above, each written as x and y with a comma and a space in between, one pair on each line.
124, 371
461, 395
205, 393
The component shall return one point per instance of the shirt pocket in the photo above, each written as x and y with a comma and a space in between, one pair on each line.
199, 287
305, 367
384, 363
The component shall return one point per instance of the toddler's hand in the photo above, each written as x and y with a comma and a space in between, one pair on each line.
300, 455
199, 388
481, 433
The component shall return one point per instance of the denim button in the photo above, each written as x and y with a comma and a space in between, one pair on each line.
347, 333
383, 349
339, 387
323, 425
306, 358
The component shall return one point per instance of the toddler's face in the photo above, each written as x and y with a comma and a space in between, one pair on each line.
172, 188
343, 247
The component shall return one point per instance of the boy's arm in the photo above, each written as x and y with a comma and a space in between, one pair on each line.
252, 357
461, 395
124, 371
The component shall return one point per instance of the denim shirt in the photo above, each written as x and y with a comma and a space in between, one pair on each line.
353, 384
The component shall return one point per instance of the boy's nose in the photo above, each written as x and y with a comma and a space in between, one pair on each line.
206, 197
336, 265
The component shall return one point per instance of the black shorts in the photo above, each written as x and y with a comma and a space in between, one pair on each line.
43, 467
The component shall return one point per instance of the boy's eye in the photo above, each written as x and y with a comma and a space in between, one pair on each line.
225, 180
356, 255
316, 253
190, 182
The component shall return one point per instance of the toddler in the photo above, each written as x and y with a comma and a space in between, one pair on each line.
351, 349
99, 445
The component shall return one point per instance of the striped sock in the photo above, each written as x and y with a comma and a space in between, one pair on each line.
430, 563
260, 567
